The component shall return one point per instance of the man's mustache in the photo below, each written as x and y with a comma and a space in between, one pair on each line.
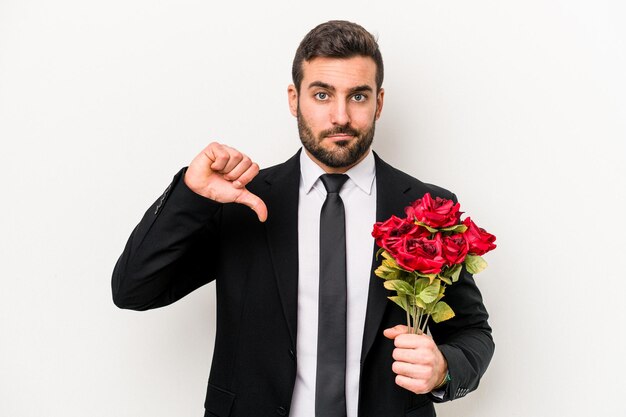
340, 130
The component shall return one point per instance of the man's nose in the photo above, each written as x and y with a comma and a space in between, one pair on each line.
339, 113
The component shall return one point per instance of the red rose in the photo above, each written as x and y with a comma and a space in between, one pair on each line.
437, 213
389, 233
392, 227
455, 248
420, 254
480, 242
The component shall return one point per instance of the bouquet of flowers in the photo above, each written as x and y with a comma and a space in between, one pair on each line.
424, 252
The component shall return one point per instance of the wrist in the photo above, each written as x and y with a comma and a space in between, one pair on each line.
444, 381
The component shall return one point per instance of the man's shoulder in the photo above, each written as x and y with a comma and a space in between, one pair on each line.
390, 173
289, 166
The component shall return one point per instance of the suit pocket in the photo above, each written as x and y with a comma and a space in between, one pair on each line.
218, 401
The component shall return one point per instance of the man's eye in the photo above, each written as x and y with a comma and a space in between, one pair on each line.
321, 96
358, 97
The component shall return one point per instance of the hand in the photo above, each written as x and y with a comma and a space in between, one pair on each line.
221, 173
419, 365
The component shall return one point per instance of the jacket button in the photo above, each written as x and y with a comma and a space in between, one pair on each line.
281, 411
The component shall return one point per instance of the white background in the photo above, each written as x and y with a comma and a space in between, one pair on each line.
517, 106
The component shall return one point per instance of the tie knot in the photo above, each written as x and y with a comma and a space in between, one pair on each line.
333, 182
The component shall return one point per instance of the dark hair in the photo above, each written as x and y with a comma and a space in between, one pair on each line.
337, 39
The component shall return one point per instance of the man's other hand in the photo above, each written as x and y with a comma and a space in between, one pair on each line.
221, 174
419, 365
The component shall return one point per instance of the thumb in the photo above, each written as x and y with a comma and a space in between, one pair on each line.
395, 331
255, 203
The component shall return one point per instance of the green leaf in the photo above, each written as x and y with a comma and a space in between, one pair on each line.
454, 272
445, 279
442, 312
419, 303
475, 264
402, 287
390, 270
430, 229
430, 277
430, 293
382, 272
390, 263
457, 228
420, 284
400, 300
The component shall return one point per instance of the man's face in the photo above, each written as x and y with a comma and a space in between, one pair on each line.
337, 108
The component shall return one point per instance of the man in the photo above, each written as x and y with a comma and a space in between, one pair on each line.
282, 346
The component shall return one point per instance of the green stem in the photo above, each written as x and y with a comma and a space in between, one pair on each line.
418, 331
425, 322
415, 321
408, 315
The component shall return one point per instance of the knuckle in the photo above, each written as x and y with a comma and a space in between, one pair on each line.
398, 340
399, 354
247, 176
396, 354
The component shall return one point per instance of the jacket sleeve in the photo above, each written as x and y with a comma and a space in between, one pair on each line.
465, 340
169, 253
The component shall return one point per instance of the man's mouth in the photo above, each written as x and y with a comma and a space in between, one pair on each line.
340, 136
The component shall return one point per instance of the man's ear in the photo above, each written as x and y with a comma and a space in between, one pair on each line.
380, 98
292, 95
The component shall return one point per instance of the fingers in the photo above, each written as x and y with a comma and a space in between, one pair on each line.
224, 159
219, 155
417, 386
412, 355
415, 369
413, 341
234, 166
221, 173
254, 202
411, 370
418, 363
395, 331
243, 173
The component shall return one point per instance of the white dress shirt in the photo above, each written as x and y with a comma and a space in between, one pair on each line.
359, 199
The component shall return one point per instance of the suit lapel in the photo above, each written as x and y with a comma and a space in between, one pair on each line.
282, 234
392, 195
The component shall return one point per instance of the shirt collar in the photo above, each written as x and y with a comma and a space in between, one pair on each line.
362, 174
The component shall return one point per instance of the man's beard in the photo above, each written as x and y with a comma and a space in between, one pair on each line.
346, 153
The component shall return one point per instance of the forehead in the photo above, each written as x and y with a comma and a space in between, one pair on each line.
340, 72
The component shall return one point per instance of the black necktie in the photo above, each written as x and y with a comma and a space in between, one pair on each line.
330, 385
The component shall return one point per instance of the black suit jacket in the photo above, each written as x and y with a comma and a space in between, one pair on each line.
185, 241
